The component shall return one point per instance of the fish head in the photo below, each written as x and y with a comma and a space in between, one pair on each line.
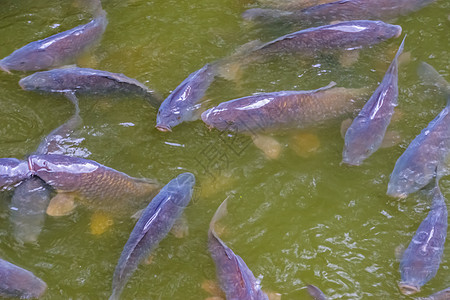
408, 289
61, 171
166, 119
25, 59
12, 171
388, 31
181, 189
358, 146
408, 179
40, 81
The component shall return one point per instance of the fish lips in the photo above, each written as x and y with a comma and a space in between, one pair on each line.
408, 289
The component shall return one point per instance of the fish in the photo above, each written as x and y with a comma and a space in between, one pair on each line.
424, 157
19, 283
28, 205
283, 110
441, 295
421, 259
13, 171
235, 278
365, 135
431, 77
181, 105
93, 184
87, 81
32, 196
154, 224
315, 292
341, 10
57, 50
293, 4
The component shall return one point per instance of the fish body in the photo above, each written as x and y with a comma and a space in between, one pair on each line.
235, 278
293, 4
16, 282
315, 292
181, 104
421, 259
339, 10
154, 224
56, 50
88, 81
423, 158
366, 133
12, 171
328, 38
283, 110
94, 184
28, 205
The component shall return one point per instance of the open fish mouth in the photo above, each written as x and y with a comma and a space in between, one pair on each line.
163, 128
4, 68
408, 289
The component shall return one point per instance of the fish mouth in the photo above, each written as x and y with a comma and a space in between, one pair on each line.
186, 179
22, 84
399, 31
4, 68
396, 194
408, 289
163, 128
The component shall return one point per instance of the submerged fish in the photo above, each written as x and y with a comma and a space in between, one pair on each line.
339, 10
28, 205
85, 80
12, 171
292, 4
366, 133
92, 183
421, 259
154, 224
19, 283
441, 295
425, 156
283, 110
31, 198
181, 105
56, 50
235, 278
315, 292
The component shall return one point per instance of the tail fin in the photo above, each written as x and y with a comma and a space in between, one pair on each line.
430, 76
220, 213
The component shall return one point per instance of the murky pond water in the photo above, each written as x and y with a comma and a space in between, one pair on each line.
301, 219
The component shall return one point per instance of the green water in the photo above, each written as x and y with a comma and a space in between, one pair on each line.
293, 220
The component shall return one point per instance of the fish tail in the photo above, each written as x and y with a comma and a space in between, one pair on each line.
400, 49
219, 214
430, 76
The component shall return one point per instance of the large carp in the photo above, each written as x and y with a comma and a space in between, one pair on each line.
12, 171
421, 259
92, 183
154, 224
87, 81
235, 278
366, 133
58, 49
283, 110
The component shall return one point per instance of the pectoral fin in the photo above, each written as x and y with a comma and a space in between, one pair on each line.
100, 222
61, 205
180, 228
270, 146
213, 288
391, 138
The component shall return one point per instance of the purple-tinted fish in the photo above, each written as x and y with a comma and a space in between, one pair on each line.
13, 171
32, 196
56, 50
315, 292
182, 103
441, 295
154, 224
339, 10
92, 183
16, 282
28, 205
283, 110
88, 81
421, 259
366, 133
425, 156
235, 278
